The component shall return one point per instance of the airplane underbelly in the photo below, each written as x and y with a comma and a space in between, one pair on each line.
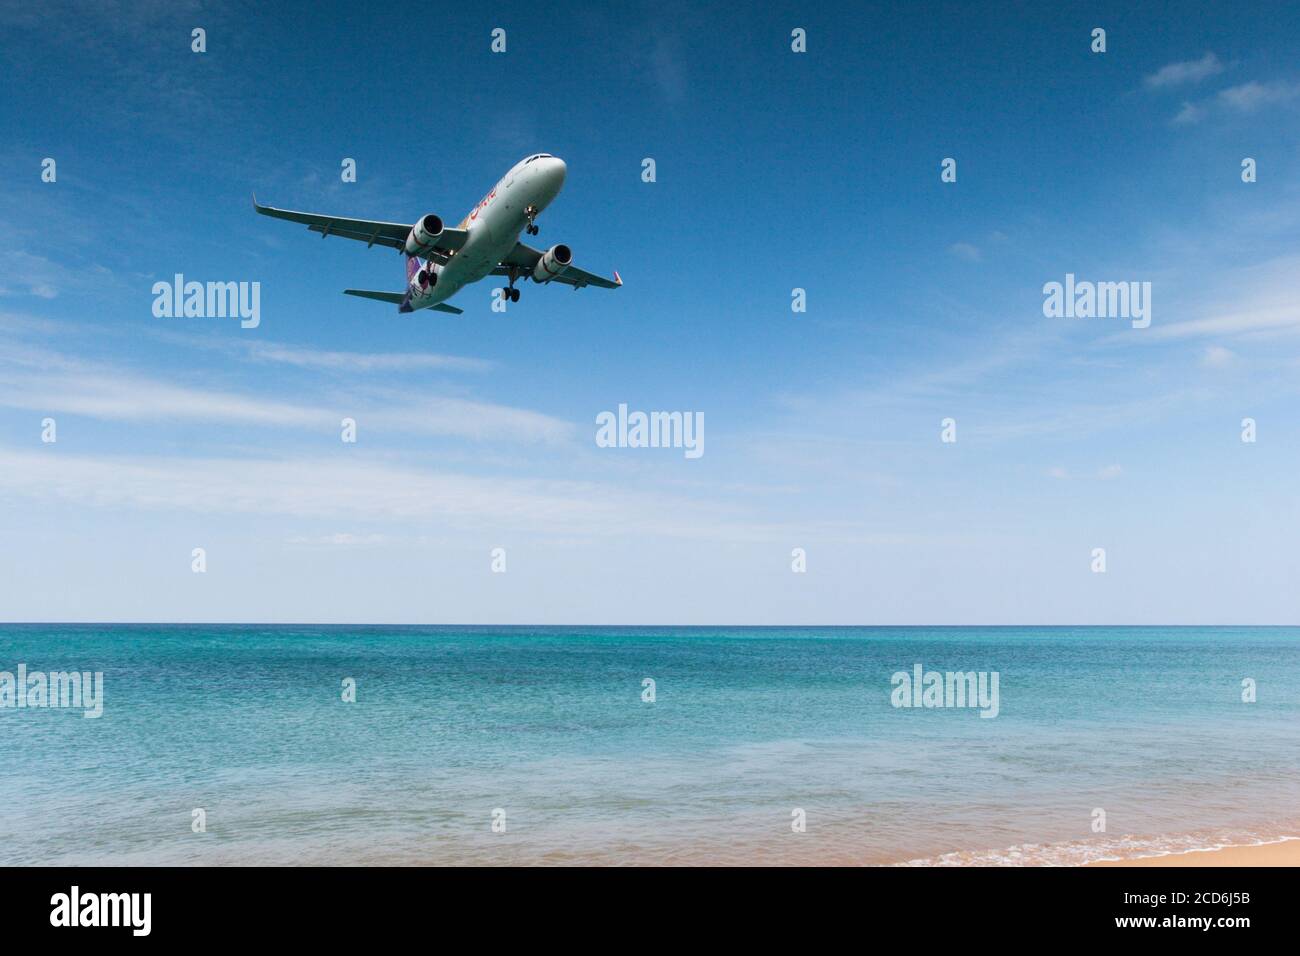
480, 255
492, 236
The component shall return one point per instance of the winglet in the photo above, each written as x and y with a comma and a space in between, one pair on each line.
618, 278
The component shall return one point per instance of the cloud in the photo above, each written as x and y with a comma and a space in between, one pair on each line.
1110, 472
340, 539
345, 489
306, 488
323, 360
1243, 98
15, 323
1258, 300
361, 361
25, 274
1281, 318
1249, 97
465, 418
1190, 113
964, 250
44, 381
1216, 356
1051, 417
668, 67
1184, 73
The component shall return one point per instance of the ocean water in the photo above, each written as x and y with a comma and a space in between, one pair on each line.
548, 725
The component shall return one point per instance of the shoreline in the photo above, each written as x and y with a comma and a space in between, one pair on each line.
1284, 852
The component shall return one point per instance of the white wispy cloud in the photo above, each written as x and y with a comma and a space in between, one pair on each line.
1216, 356
1061, 417
48, 382
1278, 318
1244, 98
361, 361
304, 488
259, 350
1185, 73
668, 67
964, 250
340, 539
1249, 97
1190, 113
138, 399
1258, 300
466, 418
343, 489
22, 273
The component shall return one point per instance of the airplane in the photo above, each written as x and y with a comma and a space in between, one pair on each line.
442, 261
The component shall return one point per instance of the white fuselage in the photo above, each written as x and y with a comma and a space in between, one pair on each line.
494, 226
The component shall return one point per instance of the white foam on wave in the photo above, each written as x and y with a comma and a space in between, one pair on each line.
1106, 849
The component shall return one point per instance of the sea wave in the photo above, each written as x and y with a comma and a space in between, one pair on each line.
1103, 848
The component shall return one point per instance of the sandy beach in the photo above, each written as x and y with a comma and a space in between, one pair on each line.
1284, 853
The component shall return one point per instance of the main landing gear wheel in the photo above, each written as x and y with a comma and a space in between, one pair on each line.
510, 293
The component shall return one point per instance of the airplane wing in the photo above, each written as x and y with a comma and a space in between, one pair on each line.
525, 258
369, 231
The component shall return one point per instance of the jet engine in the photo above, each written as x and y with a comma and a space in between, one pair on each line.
423, 235
552, 263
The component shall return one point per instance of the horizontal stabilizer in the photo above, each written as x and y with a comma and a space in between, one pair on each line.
396, 298
393, 297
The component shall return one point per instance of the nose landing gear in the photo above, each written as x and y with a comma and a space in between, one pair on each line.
531, 213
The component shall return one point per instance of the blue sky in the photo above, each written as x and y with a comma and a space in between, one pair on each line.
775, 170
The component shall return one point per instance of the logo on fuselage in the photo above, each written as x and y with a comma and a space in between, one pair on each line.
479, 208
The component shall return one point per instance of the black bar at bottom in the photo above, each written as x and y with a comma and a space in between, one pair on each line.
941, 906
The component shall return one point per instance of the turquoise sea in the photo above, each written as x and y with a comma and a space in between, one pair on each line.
451, 726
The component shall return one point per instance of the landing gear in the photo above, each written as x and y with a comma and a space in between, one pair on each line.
511, 294
531, 213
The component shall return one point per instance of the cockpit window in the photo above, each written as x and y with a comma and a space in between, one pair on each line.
538, 156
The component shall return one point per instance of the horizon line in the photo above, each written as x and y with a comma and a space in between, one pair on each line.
539, 624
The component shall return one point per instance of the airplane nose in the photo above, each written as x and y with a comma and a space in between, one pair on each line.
556, 173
